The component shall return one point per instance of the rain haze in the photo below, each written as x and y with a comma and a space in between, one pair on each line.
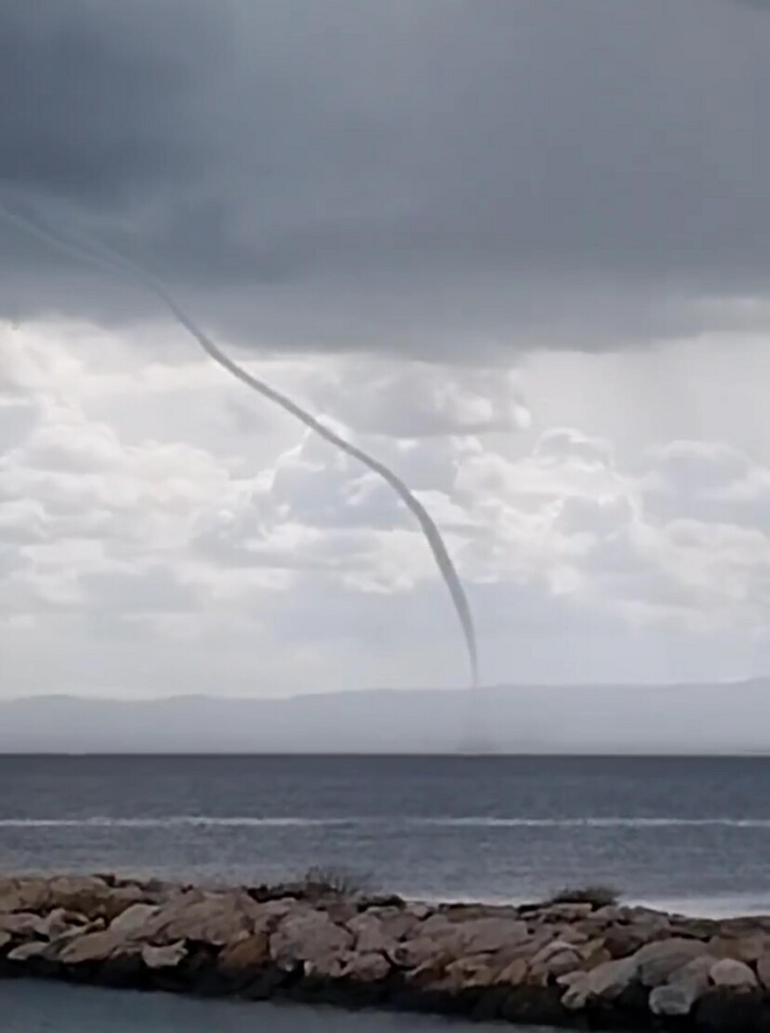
518, 251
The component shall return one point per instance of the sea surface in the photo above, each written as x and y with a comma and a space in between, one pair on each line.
55, 1008
686, 833
690, 833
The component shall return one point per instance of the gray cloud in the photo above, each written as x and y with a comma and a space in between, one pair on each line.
437, 175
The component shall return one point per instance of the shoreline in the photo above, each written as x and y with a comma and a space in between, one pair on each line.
579, 964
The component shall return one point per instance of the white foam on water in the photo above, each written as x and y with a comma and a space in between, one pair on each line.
247, 821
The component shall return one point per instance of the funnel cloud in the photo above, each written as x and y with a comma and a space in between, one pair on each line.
427, 524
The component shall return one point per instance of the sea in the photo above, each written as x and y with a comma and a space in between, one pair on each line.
689, 834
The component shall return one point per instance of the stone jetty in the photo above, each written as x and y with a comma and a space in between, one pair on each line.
580, 965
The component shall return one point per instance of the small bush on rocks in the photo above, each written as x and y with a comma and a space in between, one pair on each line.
333, 882
596, 896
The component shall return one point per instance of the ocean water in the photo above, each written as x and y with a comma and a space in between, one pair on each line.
692, 834
689, 833
53, 1008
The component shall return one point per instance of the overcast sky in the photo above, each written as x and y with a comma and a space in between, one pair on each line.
518, 249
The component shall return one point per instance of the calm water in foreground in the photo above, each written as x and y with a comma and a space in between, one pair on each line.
48, 1008
689, 833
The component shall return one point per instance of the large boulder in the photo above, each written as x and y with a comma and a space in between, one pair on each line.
378, 930
28, 951
440, 938
59, 922
309, 936
621, 941
554, 959
213, 918
488, 934
687, 984
748, 948
605, 982
514, 973
30, 894
23, 924
92, 947
731, 973
85, 894
366, 968
674, 999
168, 956
244, 957
657, 962
133, 922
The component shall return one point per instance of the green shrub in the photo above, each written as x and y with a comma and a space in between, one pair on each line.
596, 896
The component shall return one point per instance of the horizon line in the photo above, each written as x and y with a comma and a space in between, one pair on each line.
460, 690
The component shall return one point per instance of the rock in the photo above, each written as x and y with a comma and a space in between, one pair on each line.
370, 935
380, 930
746, 948
23, 895
623, 940
480, 970
607, 981
550, 949
731, 973
131, 922
327, 966
687, 985
91, 947
120, 899
416, 954
592, 952
500, 961
763, 970
214, 918
28, 951
674, 999
272, 911
309, 936
461, 939
245, 956
657, 962
428, 974
418, 910
488, 934
514, 973
23, 923
556, 958
366, 968
693, 928
437, 924
722, 1009
168, 956
557, 965
84, 893
59, 922
340, 911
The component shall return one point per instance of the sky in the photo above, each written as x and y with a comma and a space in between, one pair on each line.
517, 249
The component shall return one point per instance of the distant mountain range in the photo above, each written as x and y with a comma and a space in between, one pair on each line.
716, 718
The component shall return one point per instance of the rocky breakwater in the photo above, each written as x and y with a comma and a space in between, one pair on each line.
573, 965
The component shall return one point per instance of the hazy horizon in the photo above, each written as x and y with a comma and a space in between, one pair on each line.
519, 720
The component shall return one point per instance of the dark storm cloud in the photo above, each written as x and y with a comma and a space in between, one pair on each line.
432, 171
